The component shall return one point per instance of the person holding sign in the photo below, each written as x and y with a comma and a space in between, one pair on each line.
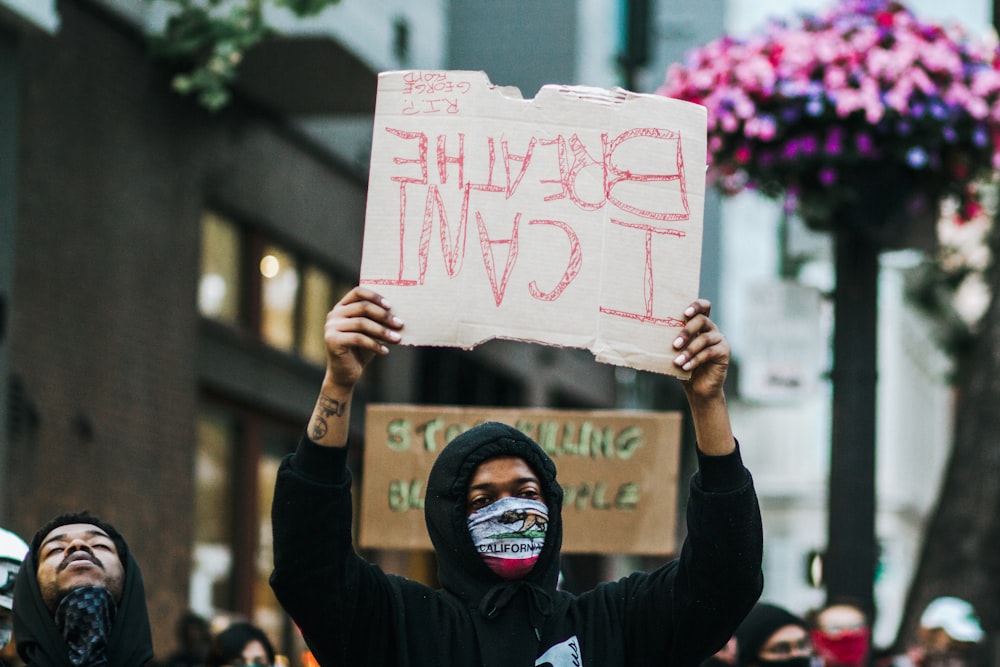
493, 511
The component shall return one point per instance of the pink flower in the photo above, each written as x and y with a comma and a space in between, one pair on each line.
898, 98
985, 82
835, 77
762, 127
729, 123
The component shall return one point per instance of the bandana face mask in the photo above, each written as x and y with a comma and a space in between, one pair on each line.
509, 535
842, 648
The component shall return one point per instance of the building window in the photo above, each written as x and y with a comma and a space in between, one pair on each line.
319, 293
237, 458
211, 580
251, 282
219, 292
279, 294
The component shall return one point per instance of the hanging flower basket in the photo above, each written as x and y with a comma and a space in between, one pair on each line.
828, 111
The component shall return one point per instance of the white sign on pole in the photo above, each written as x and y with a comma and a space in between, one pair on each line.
785, 344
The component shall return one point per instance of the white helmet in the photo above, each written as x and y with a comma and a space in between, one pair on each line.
12, 552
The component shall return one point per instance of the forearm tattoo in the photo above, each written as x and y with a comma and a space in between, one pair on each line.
325, 409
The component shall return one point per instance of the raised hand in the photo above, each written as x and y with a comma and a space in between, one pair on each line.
359, 327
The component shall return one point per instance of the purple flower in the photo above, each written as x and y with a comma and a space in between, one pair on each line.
827, 176
791, 200
916, 157
938, 110
865, 144
789, 115
834, 141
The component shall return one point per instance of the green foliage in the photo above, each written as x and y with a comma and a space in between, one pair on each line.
305, 7
206, 39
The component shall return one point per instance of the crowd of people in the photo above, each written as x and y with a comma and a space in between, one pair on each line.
839, 634
74, 596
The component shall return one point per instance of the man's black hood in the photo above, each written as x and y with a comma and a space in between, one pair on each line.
460, 569
509, 616
40, 642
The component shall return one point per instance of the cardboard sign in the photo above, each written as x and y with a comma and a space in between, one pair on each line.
574, 219
618, 470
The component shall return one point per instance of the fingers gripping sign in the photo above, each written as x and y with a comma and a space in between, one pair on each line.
359, 327
703, 351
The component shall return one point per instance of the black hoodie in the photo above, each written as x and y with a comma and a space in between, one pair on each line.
354, 615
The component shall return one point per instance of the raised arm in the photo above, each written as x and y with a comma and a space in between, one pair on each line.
342, 604
358, 328
703, 350
718, 577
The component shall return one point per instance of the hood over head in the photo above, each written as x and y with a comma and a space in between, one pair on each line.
461, 570
40, 642
763, 621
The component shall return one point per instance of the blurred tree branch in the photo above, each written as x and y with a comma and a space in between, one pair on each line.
206, 39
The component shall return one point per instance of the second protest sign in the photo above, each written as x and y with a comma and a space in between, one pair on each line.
618, 470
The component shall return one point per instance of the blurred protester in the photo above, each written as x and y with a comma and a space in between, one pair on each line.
725, 656
222, 620
241, 644
771, 636
949, 635
12, 552
193, 638
841, 634
80, 600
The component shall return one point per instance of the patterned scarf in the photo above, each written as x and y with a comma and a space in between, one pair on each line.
85, 617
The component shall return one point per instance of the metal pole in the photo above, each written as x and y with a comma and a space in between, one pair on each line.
851, 546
